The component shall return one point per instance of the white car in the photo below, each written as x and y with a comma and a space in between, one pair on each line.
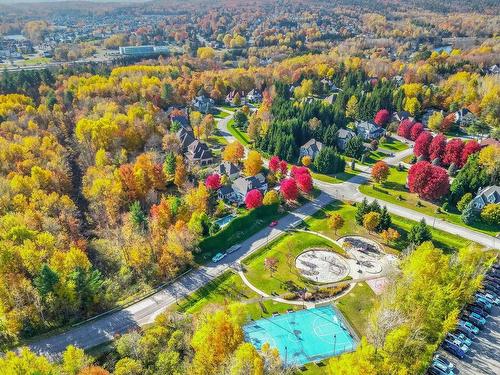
233, 248
218, 257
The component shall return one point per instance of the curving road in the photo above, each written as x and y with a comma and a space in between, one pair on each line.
104, 329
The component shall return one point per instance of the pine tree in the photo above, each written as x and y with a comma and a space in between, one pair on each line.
468, 215
46, 280
385, 220
169, 165
137, 215
361, 210
374, 207
419, 233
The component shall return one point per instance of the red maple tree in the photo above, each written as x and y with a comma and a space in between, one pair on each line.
416, 130
253, 199
453, 152
382, 117
213, 181
428, 181
437, 147
380, 171
289, 190
274, 163
404, 129
422, 144
304, 182
471, 147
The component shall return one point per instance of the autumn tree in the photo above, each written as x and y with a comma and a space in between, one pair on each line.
380, 172
289, 190
491, 214
253, 199
453, 152
306, 160
180, 172
213, 181
253, 163
270, 198
416, 130
304, 182
233, 152
422, 144
382, 117
435, 120
352, 108
271, 264
335, 222
437, 148
428, 181
390, 235
404, 128
470, 147
371, 220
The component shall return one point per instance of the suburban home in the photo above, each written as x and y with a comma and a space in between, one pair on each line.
343, 136
464, 117
369, 130
238, 190
488, 142
203, 104
311, 148
401, 115
330, 86
330, 99
229, 169
487, 195
182, 120
494, 69
230, 97
254, 96
195, 151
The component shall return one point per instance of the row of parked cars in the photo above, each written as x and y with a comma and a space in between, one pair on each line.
472, 320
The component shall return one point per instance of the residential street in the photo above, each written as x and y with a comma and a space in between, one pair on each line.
104, 329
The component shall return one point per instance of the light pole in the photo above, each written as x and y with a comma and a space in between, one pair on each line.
334, 344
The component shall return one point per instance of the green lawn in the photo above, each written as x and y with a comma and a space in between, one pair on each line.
394, 191
229, 288
337, 178
241, 136
229, 108
356, 306
319, 224
221, 114
374, 156
285, 249
244, 226
393, 145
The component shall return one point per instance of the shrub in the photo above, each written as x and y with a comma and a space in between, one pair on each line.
290, 296
491, 214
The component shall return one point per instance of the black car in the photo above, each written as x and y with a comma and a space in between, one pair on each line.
467, 333
492, 279
477, 310
491, 288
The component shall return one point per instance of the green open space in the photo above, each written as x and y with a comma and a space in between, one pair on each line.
221, 114
239, 229
394, 191
241, 136
374, 156
392, 144
356, 305
336, 178
285, 249
229, 288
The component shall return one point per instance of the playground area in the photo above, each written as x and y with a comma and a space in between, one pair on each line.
304, 336
322, 266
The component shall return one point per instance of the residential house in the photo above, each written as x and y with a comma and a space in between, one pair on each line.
195, 151
369, 130
254, 96
401, 115
488, 142
487, 195
464, 117
238, 190
182, 120
311, 148
203, 104
230, 97
229, 169
330, 99
343, 136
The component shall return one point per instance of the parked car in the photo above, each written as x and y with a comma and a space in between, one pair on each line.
439, 369
491, 288
218, 257
491, 298
492, 279
455, 349
477, 310
233, 248
468, 326
461, 337
476, 319
441, 359
483, 303
273, 224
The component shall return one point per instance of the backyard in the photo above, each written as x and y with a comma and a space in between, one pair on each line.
395, 191
392, 144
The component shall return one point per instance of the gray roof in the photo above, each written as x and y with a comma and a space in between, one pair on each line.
486, 193
228, 168
243, 185
345, 133
315, 145
182, 120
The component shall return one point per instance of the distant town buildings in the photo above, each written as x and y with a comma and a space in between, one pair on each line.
143, 50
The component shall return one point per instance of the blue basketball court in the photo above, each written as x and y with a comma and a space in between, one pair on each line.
303, 336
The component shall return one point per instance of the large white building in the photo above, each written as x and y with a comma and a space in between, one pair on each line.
143, 50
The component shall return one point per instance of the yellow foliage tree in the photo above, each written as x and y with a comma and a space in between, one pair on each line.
253, 163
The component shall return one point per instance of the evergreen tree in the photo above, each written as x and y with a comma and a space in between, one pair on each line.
468, 215
361, 209
328, 161
46, 280
88, 284
419, 233
385, 220
374, 206
169, 164
137, 215
354, 147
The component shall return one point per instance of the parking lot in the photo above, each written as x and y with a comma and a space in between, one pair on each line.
484, 355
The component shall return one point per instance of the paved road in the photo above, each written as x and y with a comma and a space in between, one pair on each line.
104, 329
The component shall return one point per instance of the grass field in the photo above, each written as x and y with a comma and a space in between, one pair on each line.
393, 145
356, 306
221, 114
394, 191
238, 230
337, 178
285, 249
241, 136
319, 224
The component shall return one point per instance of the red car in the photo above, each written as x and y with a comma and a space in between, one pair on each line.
273, 224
